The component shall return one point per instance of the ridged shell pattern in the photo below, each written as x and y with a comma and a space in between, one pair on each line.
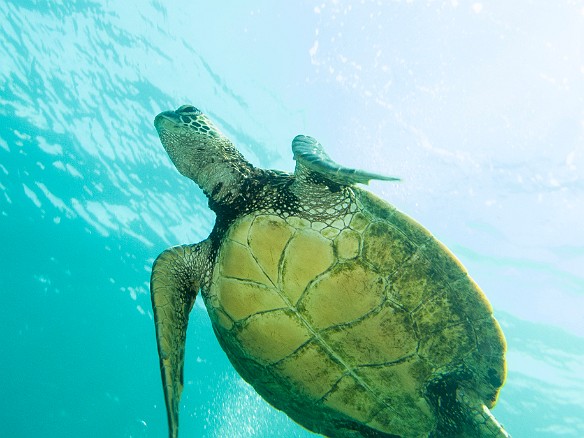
350, 318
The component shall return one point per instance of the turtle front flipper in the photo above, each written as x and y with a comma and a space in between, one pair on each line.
175, 282
310, 155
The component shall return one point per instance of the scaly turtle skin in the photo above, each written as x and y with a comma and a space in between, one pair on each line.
338, 309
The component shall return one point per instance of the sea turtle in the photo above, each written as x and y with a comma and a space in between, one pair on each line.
338, 309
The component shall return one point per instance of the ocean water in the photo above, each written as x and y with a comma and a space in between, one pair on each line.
477, 105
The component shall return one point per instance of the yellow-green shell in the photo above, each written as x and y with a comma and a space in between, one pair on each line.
350, 319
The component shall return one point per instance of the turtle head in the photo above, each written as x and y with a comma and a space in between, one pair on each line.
201, 152
186, 121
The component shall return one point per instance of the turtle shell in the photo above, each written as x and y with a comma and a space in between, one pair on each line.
348, 326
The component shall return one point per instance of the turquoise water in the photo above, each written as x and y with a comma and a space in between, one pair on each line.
476, 105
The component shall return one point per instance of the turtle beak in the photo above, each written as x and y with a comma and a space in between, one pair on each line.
167, 121
166, 117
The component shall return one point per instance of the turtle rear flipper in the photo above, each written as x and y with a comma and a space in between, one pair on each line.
460, 412
175, 281
310, 155
481, 419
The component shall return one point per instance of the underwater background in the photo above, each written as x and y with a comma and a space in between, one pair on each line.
477, 105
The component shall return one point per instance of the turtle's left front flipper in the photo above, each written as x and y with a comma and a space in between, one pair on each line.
175, 282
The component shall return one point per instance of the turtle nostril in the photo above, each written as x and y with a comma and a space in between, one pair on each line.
188, 109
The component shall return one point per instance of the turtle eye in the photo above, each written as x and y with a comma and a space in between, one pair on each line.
188, 109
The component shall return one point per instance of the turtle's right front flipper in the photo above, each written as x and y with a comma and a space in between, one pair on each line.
311, 156
176, 278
